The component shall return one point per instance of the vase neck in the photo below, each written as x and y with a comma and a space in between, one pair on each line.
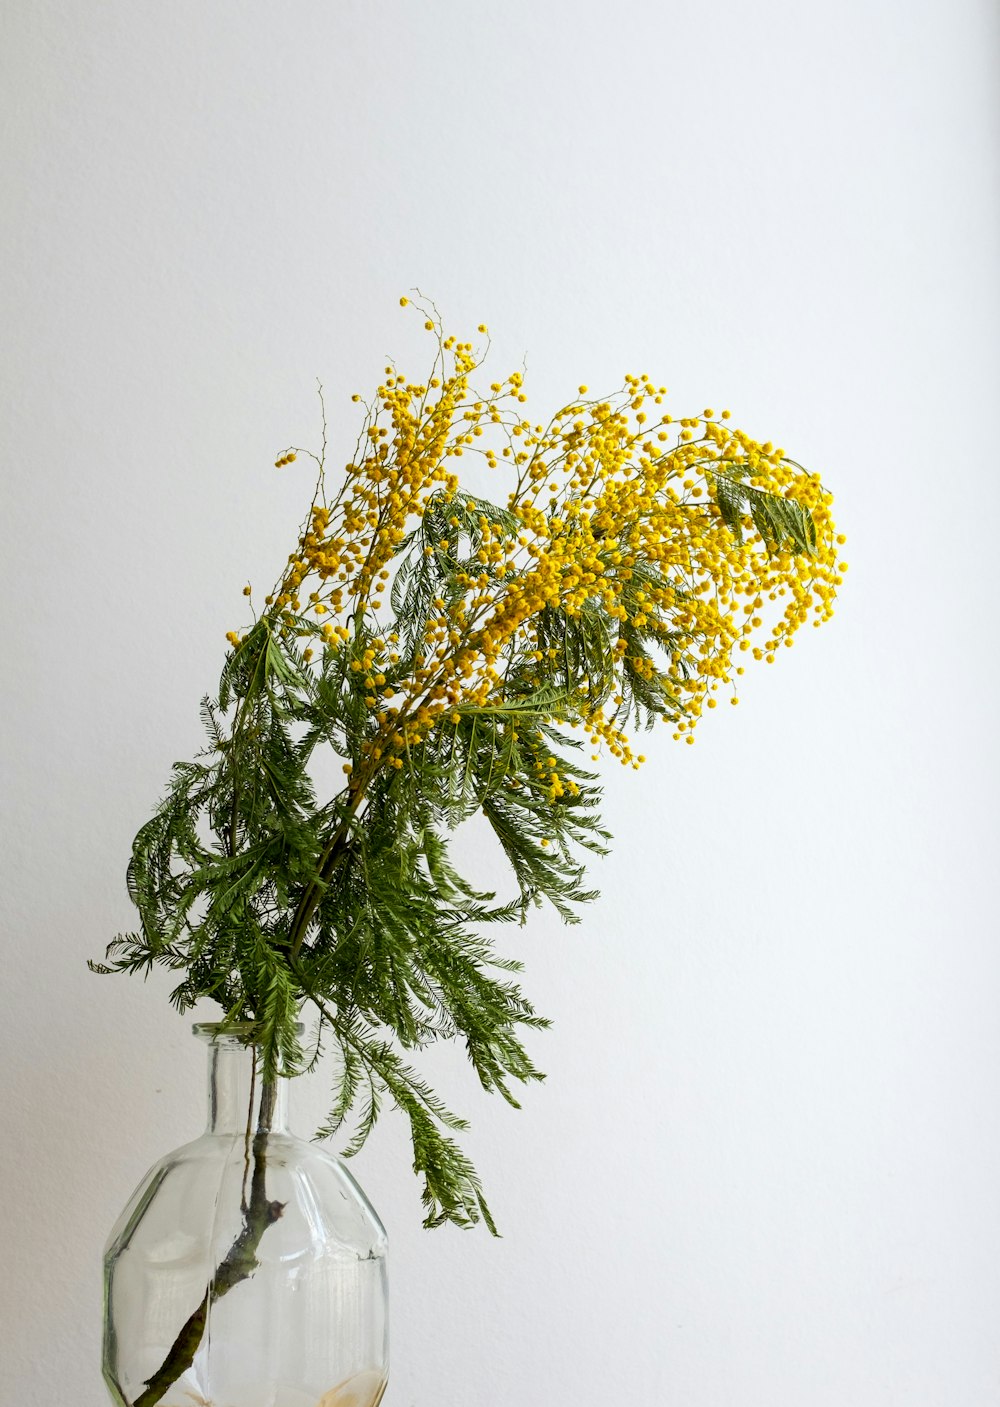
238, 1099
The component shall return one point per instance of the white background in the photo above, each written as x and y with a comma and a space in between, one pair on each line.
765, 1168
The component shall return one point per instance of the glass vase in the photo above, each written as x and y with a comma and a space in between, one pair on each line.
248, 1268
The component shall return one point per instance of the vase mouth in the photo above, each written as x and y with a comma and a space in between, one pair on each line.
231, 1035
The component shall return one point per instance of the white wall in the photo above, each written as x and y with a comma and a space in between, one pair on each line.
764, 1170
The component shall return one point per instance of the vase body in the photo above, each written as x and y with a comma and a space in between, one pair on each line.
248, 1268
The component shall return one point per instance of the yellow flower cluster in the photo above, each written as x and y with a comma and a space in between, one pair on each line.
612, 505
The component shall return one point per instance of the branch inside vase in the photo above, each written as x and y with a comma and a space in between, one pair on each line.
238, 1264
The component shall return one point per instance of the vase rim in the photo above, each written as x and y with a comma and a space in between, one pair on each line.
231, 1033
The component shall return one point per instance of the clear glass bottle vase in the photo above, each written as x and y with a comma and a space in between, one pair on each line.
248, 1268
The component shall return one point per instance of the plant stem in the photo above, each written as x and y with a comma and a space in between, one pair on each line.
333, 852
238, 1264
329, 860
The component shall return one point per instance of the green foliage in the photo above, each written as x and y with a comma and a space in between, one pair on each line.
393, 956
780, 521
269, 899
